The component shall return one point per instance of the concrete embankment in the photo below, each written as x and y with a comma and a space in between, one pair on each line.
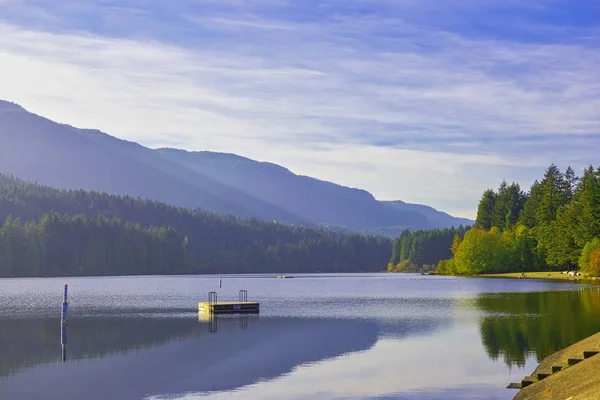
568, 374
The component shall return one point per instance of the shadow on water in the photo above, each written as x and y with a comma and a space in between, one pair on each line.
142, 356
28, 342
134, 357
517, 325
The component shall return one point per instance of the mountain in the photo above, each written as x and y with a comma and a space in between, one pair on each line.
58, 155
439, 219
324, 203
320, 202
61, 156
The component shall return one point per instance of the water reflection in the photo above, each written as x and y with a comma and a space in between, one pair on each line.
63, 342
29, 342
212, 320
163, 356
406, 337
516, 325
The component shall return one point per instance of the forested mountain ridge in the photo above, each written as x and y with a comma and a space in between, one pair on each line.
51, 232
438, 219
35, 148
321, 202
554, 226
38, 149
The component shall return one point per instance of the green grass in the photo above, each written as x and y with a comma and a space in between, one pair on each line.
535, 275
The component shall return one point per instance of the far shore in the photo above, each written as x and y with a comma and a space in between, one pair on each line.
538, 275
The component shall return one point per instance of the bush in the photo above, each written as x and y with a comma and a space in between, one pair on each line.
586, 254
446, 267
593, 266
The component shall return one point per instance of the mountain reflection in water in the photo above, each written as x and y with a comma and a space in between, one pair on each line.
140, 356
347, 336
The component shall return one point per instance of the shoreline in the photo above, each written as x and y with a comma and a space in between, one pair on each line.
569, 373
550, 275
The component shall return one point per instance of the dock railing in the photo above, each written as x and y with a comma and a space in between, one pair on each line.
212, 298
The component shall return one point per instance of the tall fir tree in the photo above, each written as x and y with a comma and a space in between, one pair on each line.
485, 210
552, 195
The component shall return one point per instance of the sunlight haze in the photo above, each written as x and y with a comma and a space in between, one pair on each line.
423, 101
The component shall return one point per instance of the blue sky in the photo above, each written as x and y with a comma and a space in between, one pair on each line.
425, 101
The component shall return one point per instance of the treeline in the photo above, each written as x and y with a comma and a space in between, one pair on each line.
80, 245
51, 232
554, 226
421, 251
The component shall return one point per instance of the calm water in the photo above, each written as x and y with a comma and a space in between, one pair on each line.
317, 337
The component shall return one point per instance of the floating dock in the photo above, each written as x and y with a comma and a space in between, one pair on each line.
242, 306
229, 307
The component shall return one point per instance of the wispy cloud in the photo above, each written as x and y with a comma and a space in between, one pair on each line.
437, 111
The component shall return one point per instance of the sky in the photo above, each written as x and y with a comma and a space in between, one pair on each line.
427, 101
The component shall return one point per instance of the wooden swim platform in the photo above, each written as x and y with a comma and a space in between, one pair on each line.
242, 306
229, 307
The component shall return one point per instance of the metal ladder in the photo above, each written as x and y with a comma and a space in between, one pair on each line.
212, 299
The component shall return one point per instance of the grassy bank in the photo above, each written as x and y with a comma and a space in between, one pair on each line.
536, 275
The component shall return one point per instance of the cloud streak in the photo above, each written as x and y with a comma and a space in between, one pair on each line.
322, 89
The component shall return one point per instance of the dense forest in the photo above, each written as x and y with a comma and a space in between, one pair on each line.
554, 226
51, 232
421, 251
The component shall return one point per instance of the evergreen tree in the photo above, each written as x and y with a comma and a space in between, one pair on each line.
426, 247
395, 253
50, 232
586, 204
571, 181
485, 210
557, 221
552, 195
515, 201
528, 215
501, 206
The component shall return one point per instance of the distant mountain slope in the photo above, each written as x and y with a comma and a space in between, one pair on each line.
318, 201
439, 219
36, 148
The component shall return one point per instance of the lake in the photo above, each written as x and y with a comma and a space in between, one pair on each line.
351, 336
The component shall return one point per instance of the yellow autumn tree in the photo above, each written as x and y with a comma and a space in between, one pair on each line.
593, 266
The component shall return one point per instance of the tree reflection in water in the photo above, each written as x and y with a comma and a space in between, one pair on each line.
516, 325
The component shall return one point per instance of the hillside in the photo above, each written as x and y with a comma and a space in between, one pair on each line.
58, 155
320, 202
438, 219
50, 232
38, 149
